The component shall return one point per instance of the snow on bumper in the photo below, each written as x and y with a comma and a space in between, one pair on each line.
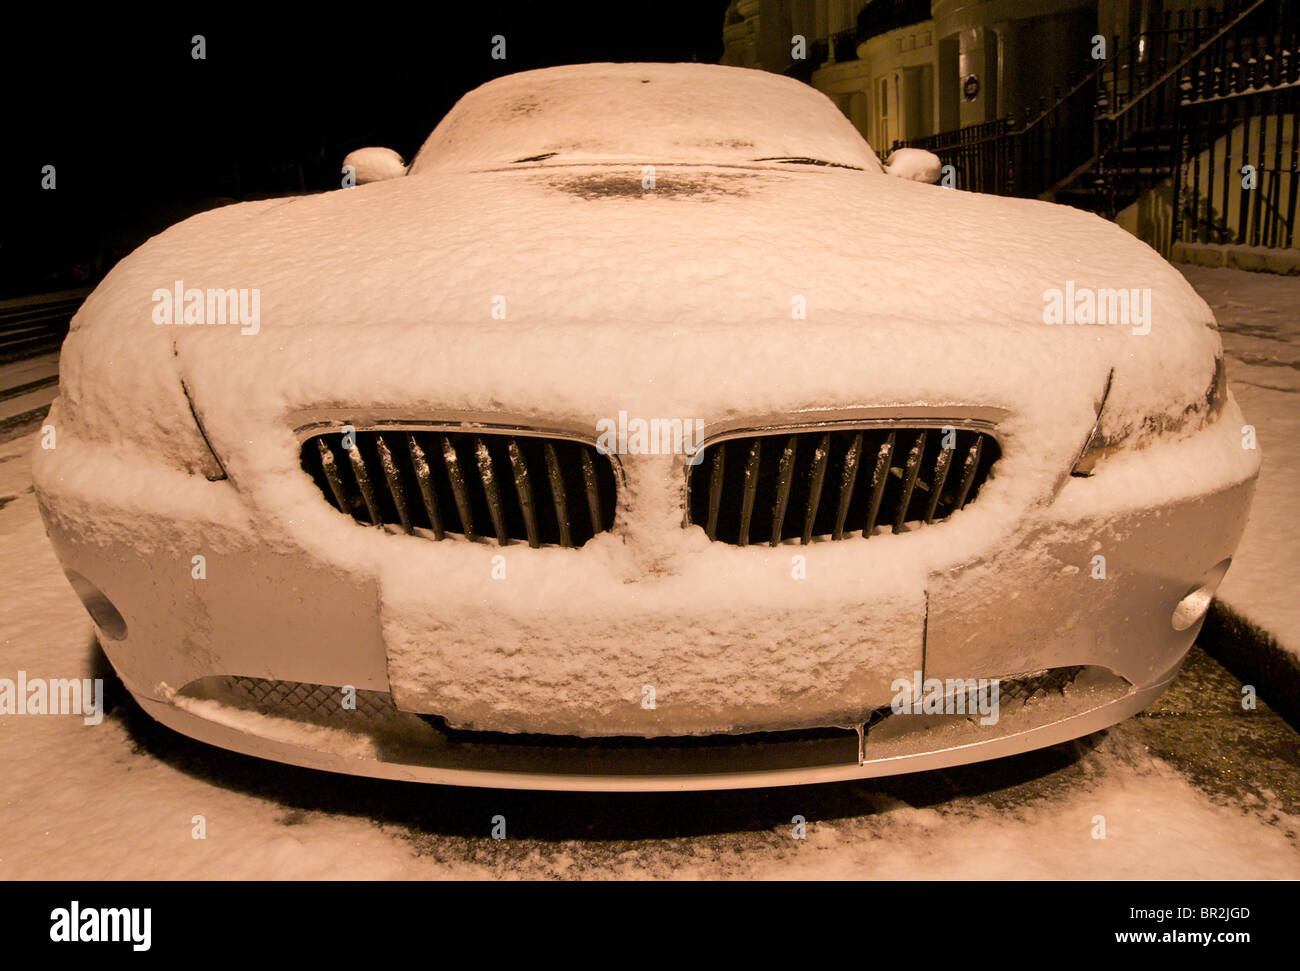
572, 642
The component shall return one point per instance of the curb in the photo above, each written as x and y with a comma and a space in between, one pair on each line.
1255, 259
1254, 657
19, 425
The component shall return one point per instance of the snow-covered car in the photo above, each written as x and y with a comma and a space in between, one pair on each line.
646, 432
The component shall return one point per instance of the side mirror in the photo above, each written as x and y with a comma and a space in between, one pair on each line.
374, 165
915, 164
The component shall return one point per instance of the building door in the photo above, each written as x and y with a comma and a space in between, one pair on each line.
886, 111
858, 114
949, 83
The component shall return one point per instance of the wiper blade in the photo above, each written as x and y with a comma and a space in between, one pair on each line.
803, 160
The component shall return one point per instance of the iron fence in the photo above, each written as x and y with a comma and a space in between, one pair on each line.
1194, 100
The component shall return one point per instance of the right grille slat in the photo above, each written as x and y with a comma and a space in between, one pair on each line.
716, 471
879, 479
592, 490
465, 480
910, 471
751, 489
941, 466
830, 485
969, 470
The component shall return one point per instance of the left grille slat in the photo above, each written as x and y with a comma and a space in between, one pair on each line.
816, 479
394, 482
847, 480
785, 478
524, 490
815, 483
466, 480
424, 479
459, 489
879, 479
362, 475
330, 468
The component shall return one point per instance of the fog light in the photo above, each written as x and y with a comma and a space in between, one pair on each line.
100, 608
1193, 606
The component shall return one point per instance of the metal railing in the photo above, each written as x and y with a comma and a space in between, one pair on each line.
1237, 171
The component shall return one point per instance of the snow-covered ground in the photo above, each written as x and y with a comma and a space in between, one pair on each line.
120, 800
1259, 317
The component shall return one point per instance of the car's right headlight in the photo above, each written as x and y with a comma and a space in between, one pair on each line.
1104, 439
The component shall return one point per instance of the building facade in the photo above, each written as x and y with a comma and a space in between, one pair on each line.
902, 70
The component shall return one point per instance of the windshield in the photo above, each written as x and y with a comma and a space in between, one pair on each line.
698, 113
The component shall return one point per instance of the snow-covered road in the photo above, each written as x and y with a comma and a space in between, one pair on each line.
1194, 788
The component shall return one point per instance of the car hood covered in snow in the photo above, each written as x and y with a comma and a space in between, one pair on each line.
570, 293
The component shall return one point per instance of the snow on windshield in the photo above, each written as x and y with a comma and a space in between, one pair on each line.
643, 113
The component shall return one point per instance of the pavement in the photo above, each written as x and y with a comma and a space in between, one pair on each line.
28, 386
32, 329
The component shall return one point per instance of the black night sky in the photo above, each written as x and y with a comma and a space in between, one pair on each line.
141, 134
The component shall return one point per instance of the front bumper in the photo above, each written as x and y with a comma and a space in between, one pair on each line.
377, 740
210, 586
